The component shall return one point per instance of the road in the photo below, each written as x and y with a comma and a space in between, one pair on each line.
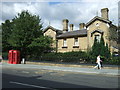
17, 77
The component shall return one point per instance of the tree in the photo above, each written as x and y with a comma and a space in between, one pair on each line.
27, 33
113, 36
107, 52
113, 33
95, 48
102, 47
41, 44
6, 32
99, 48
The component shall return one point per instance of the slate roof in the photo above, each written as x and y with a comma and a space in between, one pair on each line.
75, 33
97, 18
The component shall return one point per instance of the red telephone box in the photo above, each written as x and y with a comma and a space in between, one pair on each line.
14, 57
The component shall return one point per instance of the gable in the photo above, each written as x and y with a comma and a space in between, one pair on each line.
49, 27
52, 28
98, 25
99, 19
51, 33
99, 31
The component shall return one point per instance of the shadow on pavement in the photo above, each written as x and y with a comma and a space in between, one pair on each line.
7, 78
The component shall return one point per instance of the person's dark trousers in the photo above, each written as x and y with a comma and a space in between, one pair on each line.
101, 64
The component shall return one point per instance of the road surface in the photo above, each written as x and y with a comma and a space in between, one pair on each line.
14, 76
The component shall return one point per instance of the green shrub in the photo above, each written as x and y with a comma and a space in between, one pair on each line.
74, 56
115, 60
5, 55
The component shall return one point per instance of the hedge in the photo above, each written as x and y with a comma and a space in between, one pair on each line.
5, 55
65, 57
72, 57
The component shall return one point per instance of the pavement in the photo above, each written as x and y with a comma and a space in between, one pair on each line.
80, 68
85, 65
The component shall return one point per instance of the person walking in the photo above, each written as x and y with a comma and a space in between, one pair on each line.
98, 62
101, 61
1, 58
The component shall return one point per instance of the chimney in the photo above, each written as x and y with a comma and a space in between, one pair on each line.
65, 25
104, 13
82, 25
71, 27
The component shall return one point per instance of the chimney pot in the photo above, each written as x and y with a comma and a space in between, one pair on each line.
65, 25
71, 27
104, 13
82, 25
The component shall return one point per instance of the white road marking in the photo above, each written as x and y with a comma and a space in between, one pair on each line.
29, 85
25, 72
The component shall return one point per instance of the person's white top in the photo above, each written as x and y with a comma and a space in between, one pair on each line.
1, 57
98, 59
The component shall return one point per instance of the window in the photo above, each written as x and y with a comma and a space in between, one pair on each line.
65, 43
97, 24
76, 42
97, 38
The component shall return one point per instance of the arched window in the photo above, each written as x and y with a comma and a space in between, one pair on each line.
99, 31
98, 38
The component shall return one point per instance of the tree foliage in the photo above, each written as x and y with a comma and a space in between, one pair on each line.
99, 48
113, 34
6, 32
26, 34
95, 49
42, 44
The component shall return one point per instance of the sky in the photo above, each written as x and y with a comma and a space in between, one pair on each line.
52, 12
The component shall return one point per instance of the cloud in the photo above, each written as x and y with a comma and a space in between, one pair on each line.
54, 12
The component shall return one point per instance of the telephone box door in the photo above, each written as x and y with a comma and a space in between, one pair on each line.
10, 57
16, 57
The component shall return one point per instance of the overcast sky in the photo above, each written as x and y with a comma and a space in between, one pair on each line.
54, 11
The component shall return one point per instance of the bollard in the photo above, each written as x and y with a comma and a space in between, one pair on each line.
23, 60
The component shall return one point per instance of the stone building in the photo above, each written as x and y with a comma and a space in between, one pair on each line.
83, 38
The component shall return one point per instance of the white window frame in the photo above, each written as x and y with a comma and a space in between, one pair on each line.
65, 42
76, 42
98, 38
